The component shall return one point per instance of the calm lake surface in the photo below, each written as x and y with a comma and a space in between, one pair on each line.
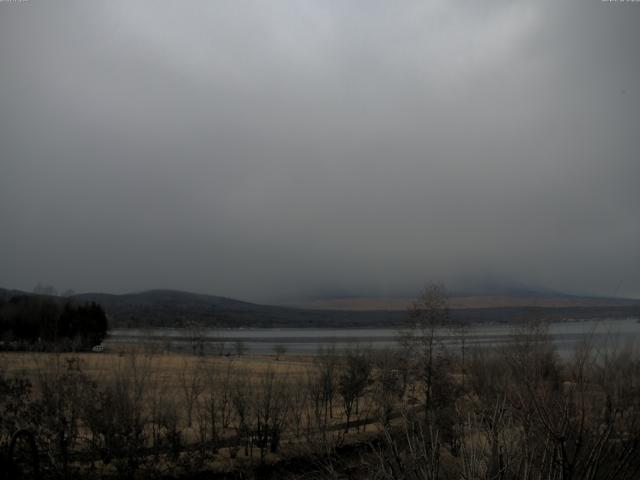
307, 341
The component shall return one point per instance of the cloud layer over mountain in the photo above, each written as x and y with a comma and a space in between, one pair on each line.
269, 150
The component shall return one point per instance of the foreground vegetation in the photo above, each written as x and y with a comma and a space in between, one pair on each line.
514, 413
421, 411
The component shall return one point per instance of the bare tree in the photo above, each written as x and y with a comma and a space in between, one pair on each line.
191, 383
271, 407
117, 413
215, 402
241, 400
460, 330
389, 387
353, 381
327, 362
427, 316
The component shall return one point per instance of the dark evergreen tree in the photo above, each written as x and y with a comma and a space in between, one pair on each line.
45, 320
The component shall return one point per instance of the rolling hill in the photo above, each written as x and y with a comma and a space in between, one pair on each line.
170, 308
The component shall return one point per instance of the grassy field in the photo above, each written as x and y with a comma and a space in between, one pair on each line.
168, 366
233, 405
486, 413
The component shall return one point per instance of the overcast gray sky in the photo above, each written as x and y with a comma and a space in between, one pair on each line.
272, 150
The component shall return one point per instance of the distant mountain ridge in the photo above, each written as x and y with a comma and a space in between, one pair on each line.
165, 298
171, 308
161, 308
465, 301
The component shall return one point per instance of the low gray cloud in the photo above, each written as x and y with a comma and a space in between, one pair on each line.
272, 150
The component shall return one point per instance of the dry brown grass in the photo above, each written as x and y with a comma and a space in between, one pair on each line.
167, 367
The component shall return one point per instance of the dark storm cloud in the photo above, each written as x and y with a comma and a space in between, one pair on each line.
271, 149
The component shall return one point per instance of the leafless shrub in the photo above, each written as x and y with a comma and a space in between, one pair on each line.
191, 385
241, 395
390, 384
62, 388
428, 315
271, 404
215, 407
408, 451
327, 362
353, 380
116, 414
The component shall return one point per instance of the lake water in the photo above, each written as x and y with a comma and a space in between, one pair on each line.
307, 341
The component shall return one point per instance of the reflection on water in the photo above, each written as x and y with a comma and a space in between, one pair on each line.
566, 335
